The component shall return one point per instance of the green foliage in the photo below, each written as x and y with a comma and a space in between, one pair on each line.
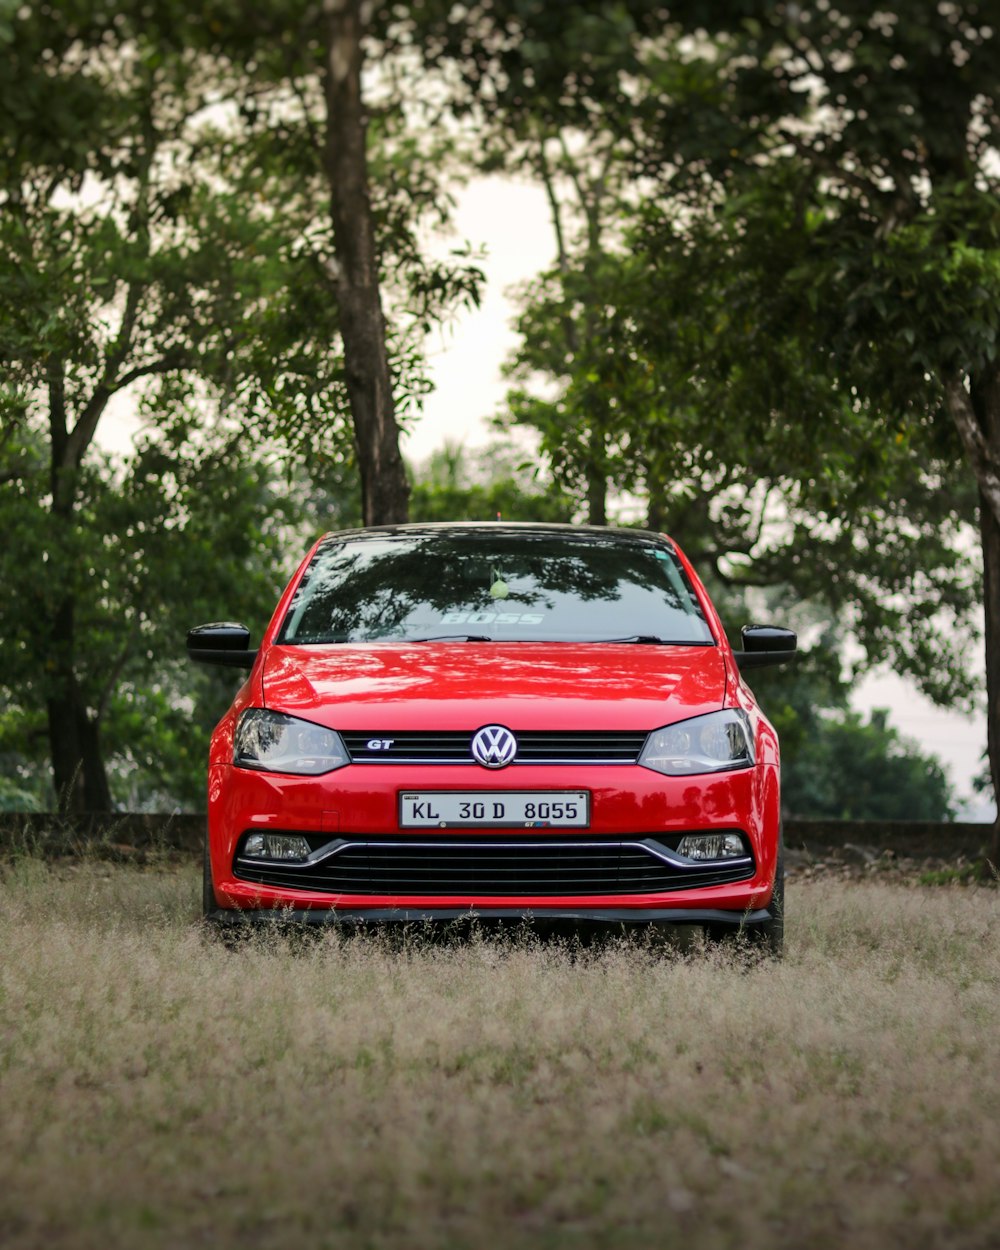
183, 230
165, 237
835, 765
531, 63
697, 386
489, 487
603, 415
176, 535
761, 353
840, 208
854, 770
691, 359
982, 783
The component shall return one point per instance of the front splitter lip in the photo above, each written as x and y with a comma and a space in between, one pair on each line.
739, 898
610, 917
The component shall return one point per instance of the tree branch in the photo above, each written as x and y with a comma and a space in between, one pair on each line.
86, 425
312, 130
834, 169
166, 364
981, 456
58, 439
115, 671
555, 208
545, 169
569, 167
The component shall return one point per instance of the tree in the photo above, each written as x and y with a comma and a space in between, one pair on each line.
127, 258
384, 486
857, 770
452, 486
179, 533
832, 511
142, 252
836, 766
539, 81
311, 59
571, 334
853, 146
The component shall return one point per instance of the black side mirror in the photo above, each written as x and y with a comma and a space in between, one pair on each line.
223, 642
764, 645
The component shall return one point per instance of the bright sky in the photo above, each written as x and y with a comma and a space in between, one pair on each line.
512, 219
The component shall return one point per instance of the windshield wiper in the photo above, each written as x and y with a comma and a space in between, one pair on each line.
451, 638
650, 638
661, 642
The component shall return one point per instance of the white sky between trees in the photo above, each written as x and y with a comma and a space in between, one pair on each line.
512, 220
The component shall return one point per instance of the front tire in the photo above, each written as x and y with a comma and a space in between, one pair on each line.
771, 935
208, 904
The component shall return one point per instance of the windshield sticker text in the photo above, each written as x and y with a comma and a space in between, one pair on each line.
492, 618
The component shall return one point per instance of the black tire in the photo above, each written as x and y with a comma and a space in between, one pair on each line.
208, 903
770, 936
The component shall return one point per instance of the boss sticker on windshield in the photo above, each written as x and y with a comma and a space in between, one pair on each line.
492, 618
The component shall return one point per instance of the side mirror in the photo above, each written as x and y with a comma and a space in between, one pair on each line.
223, 642
764, 645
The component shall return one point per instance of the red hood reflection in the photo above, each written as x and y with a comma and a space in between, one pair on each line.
457, 685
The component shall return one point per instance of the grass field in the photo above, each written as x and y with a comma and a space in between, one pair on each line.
158, 1089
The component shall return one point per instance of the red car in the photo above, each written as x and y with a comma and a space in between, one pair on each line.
499, 720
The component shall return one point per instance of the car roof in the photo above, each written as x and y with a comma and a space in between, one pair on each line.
498, 527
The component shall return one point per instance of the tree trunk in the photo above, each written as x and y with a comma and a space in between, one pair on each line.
990, 530
597, 497
78, 773
656, 512
977, 414
596, 475
384, 488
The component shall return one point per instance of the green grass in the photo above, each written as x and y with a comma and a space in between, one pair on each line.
159, 1089
980, 872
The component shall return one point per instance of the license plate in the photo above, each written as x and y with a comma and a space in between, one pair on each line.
505, 809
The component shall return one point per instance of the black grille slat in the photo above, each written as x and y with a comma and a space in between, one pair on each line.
533, 747
557, 866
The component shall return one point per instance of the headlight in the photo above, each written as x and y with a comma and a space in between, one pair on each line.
283, 744
705, 744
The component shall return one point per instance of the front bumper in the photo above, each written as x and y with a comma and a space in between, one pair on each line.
359, 802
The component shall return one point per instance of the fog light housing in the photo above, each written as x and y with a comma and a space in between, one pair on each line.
285, 846
711, 846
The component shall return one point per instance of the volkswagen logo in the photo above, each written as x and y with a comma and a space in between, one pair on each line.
494, 747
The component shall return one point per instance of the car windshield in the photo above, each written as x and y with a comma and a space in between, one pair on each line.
494, 585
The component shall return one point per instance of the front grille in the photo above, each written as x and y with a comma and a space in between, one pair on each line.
495, 866
388, 747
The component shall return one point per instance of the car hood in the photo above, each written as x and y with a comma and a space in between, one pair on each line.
458, 685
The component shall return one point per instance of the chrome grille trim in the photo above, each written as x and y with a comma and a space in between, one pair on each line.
533, 747
487, 866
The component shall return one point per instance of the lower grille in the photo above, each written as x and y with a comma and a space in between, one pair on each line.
494, 866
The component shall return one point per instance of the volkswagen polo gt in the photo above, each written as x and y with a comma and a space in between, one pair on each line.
509, 721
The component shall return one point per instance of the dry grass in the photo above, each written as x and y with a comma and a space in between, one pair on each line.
158, 1089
